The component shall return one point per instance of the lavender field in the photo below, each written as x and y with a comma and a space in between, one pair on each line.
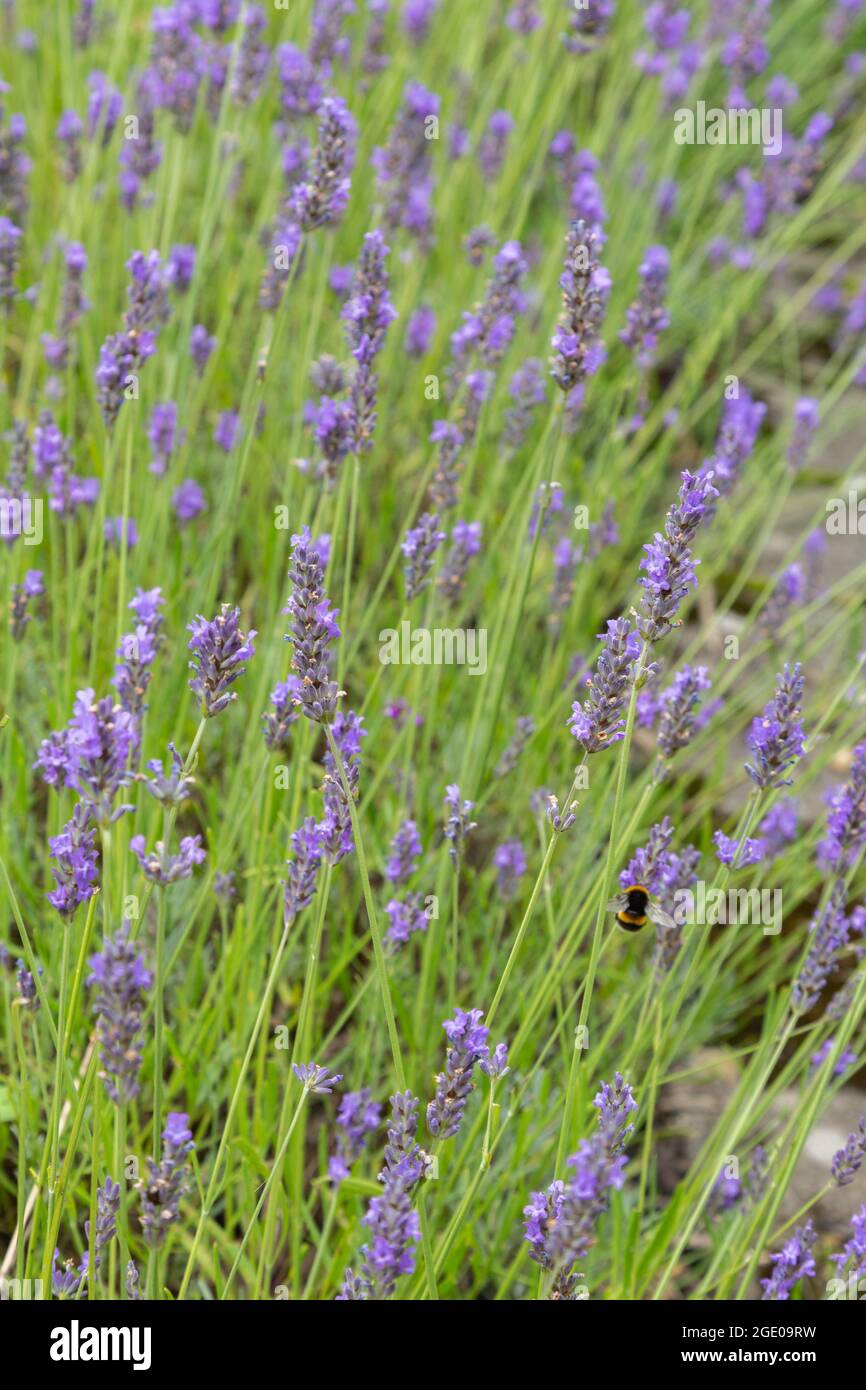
432, 691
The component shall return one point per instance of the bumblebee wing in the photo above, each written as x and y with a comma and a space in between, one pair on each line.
618, 903
660, 917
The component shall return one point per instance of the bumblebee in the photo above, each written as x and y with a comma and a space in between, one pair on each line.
634, 906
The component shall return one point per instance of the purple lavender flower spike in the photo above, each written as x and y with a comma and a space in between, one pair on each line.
509, 860
321, 199
598, 721
137, 652
465, 543
74, 851
778, 829
846, 821
253, 56
738, 853
122, 355
776, 736
278, 721
302, 869
849, 1159
419, 331
163, 436
457, 822
159, 866
357, 1118
220, 651
315, 1078
792, 1263
493, 145
560, 1222
120, 979
443, 485
28, 996
419, 548
679, 710
10, 251
669, 569
284, 250
405, 850
524, 728
649, 864
495, 1064
201, 345
647, 317
523, 17
367, 314
577, 346
403, 165
742, 417
180, 268
312, 629
92, 754
227, 430
406, 916
527, 391
167, 1182
168, 788
852, 1258
807, 417
417, 17
337, 837
31, 587
467, 1045
394, 1231
829, 931
188, 501
587, 23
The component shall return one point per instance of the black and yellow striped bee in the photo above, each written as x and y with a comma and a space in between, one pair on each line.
634, 906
